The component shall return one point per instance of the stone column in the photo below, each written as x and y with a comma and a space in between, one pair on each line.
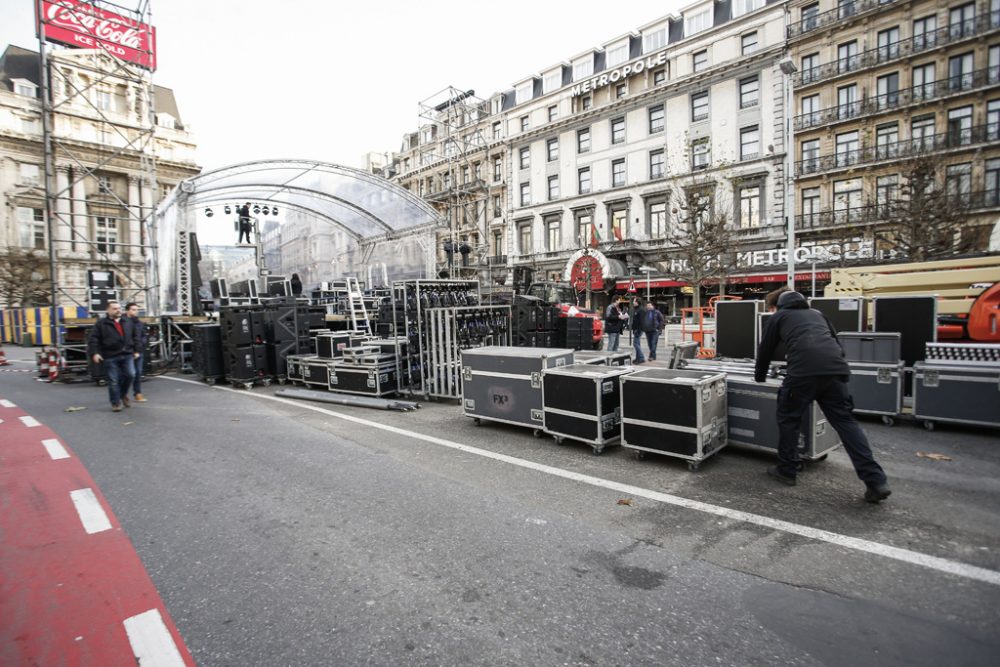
62, 225
148, 204
134, 219
81, 225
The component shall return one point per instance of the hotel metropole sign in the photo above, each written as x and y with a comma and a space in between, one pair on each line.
619, 73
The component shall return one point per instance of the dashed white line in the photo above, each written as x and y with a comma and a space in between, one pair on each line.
30, 422
91, 513
867, 546
55, 449
151, 641
6, 404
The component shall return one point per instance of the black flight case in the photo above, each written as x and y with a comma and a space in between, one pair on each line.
583, 402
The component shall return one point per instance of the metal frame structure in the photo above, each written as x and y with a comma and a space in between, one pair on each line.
138, 142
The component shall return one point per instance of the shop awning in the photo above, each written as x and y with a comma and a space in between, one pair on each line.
640, 283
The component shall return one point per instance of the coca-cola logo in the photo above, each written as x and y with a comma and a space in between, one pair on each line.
108, 27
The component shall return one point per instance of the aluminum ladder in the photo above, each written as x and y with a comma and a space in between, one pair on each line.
356, 304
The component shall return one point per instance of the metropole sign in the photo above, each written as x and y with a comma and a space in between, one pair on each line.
84, 26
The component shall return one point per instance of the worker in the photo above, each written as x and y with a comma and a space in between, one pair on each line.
245, 226
816, 370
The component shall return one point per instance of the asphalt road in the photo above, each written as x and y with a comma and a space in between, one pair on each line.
278, 535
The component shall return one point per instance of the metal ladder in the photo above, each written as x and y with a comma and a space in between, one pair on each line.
356, 304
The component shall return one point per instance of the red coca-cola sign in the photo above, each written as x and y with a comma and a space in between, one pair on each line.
80, 24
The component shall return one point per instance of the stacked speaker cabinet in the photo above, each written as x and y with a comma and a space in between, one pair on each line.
206, 352
575, 333
244, 336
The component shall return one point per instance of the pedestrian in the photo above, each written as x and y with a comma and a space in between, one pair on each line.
142, 332
614, 322
245, 226
113, 342
816, 370
652, 326
636, 318
296, 284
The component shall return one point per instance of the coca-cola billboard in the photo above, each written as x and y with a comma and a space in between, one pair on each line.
81, 24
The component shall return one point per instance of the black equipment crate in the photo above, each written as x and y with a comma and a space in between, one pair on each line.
316, 371
871, 347
368, 380
877, 389
294, 362
736, 329
242, 325
753, 422
600, 358
504, 384
915, 317
678, 413
575, 332
583, 402
246, 363
206, 351
846, 313
956, 393
331, 345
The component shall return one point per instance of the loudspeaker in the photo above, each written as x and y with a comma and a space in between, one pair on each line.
242, 326
206, 350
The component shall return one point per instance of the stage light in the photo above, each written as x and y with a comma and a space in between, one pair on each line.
227, 209
265, 210
208, 213
274, 210
256, 209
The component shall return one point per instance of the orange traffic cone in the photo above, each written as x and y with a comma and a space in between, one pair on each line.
3, 357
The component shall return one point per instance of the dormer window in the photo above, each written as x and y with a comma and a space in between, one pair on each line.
617, 55
166, 120
524, 92
583, 68
552, 81
697, 22
24, 88
654, 40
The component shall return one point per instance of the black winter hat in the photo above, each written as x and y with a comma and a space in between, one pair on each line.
789, 298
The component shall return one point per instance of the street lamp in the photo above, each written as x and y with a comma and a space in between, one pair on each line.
788, 68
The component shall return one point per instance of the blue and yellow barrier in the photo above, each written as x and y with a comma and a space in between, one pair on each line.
19, 324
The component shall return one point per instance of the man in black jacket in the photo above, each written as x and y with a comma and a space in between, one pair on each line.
113, 341
816, 370
245, 226
142, 333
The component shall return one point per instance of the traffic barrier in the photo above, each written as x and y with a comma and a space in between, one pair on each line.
3, 357
53, 359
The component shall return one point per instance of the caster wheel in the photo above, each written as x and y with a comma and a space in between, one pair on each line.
888, 421
929, 425
282, 381
559, 440
536, 433
477, 421
693, 466
639, 455
597, 451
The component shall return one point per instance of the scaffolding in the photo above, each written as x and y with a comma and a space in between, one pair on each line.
85, 89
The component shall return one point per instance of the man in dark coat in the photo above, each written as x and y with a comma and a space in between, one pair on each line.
614, 322
816, 370
142, 331
245, 226
113, 342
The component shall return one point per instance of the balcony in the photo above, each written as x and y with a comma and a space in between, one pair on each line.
915, 45
870, 214
845, 11
914, 147
496, 260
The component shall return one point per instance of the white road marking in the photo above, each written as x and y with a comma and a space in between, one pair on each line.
6, 404
91, 513
55, 449
151, 641
857, 544
29, 421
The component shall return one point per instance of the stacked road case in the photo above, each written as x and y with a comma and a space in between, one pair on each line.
679, 413
583, 402
958, 383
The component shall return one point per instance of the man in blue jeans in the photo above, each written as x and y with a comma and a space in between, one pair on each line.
132, 311
648, 321
614, 321
113, 342
816, 371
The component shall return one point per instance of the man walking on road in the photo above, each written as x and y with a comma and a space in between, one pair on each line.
614, 321
816, 370
113, 342
132, 311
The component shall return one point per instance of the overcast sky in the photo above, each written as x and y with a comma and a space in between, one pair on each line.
332, 80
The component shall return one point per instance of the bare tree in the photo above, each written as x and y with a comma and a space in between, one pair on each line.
24, 278
927, 220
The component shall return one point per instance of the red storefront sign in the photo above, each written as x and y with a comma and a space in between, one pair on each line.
633, 285
775, 278
584, 267
79, 24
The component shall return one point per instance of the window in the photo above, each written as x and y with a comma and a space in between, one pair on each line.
923, 82
553, 188
924, 33
960, 72
497, 130
922, 133
552, 81
695, 23
30, 174
497, 169
701, 153
810, 67
619, 223
962, 20
699, 107
582, 69
846, 199
497, 244
654, 40
552, 149
553, 231
810, 156
888, 44
583, 140
846, 8
656, 119
659, 76
749, 92
749, 143
618, 130
887, 89
107, 234
618, 173
497, 206
750, 206
741, 7
524, 157
103, 100
847, 102
847, 56
810, 17
657, 227
553, 112
993, 120
104, 184
616, 56
748, 43
887, 141
525, 194
810, 205
992, 182
810, 111
466, 175
525, 124
958, 181
524, 238
700, 60
886, 192
657, 164
847, 148
993, 62
584, 227
960, 126
31, 227
620, 91
586, 103
583, 180
524, 92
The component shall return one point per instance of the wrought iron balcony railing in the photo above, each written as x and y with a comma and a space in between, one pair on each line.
870, 214
846, 10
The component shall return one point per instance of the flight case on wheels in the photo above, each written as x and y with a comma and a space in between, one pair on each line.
583, 402
678, 413
956, 393
877, 389
504, 384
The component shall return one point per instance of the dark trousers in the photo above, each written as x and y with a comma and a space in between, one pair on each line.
830, 391
137, 381
653, 338
244, 230
120, 371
